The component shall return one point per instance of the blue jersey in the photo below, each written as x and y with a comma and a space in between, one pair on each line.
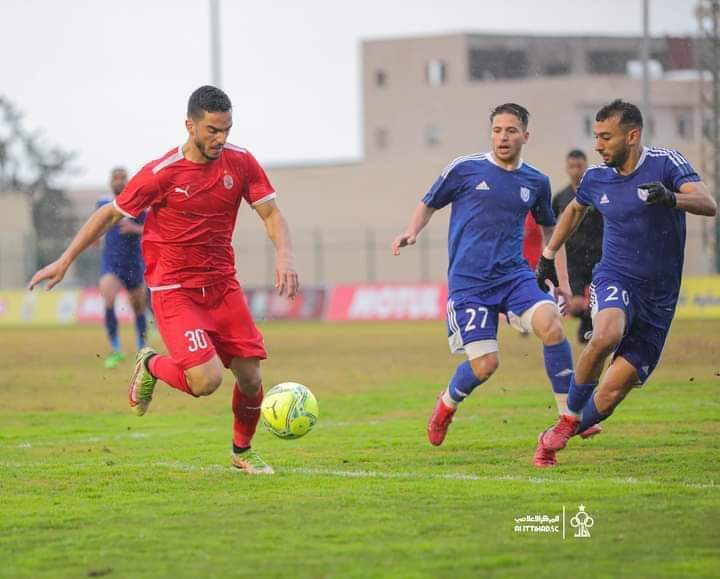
489, 206
642, 245
121, 250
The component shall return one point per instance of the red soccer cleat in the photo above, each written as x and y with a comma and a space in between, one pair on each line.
439, 422
556, 438
591, 431
544, 457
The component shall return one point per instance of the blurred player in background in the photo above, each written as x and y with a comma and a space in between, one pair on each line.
491, 193
583, 249
192, 194
643, 195
121, 265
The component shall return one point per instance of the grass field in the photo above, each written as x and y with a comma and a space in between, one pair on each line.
87, 489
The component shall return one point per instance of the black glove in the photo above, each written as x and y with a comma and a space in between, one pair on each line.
546, 270
658, 194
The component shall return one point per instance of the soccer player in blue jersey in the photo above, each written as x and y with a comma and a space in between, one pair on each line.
121, 265
491, 194
643, 195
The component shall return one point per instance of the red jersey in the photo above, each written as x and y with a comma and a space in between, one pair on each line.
532, 243
187, 237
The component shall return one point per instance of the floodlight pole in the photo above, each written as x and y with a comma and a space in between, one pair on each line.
215, 63
645, 61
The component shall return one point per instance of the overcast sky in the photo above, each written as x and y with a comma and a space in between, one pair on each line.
109, 79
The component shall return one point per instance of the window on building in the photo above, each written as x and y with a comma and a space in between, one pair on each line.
491, 63
684, 127
608, 61
588, 125
381, 138
650, 127
436, 72
380, 77
557, 68
432, 136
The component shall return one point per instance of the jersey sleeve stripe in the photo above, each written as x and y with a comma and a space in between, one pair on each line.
174, 158
234, 148
121, 210
455, 162
265, 199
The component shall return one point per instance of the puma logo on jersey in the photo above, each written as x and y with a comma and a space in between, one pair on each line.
183, 191
604, 199
482, 186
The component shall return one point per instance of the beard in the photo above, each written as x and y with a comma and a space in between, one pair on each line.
204, 151
619, 158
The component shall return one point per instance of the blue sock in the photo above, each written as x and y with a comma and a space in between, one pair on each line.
140, 330
111, 325
559, 366
590, 415
578, 395
463, 382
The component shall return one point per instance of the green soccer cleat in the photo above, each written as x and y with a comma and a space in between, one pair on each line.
142, 383
114, 360
251, 462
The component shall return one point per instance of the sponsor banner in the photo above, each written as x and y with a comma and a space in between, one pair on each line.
91, 307
38, 307
699, 298
265, 304
373, 302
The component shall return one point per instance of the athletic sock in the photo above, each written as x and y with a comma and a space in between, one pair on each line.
559, 366
140, 330
590, 415
461, 385
578, 395
246, 413
170, 372
111, 325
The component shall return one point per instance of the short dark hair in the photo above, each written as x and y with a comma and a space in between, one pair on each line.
630, 115
208, 98
512, 109
576, 154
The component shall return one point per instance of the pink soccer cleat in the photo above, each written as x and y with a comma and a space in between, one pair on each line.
591, 431
556, 438
544, 457
439, 422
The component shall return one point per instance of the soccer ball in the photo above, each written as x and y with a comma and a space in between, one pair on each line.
289, 410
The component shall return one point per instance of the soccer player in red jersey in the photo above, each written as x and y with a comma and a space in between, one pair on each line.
193, 194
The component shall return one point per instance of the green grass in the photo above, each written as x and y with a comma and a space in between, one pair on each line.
87, 489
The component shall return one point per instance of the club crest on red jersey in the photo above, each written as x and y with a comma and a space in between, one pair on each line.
228, 181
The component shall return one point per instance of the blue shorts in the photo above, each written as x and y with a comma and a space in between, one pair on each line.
646, 327
131, 276
474, 318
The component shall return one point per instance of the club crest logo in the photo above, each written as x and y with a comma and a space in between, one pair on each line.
524, 194
228, 181
642, 194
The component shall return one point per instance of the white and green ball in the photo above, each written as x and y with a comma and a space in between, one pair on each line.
289, 410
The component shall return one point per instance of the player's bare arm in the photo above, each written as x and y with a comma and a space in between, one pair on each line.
286, 278
560, 263
130, 227
569, 221
420, 218
93, 229
695, 198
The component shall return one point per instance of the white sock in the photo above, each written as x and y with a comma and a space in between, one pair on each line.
447, 399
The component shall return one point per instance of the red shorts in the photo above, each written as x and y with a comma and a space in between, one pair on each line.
197, 323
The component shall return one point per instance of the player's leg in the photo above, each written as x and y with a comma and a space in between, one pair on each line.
138, 301
472, 328
246, 401
109, 286
241, 348
192, 365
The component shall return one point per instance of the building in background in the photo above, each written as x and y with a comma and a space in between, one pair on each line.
426, 100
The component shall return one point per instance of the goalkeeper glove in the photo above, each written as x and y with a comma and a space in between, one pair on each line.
658, 194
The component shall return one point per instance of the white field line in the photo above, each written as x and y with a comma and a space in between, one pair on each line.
370, 474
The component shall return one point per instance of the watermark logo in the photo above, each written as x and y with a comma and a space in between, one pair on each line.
555, 523
582, 521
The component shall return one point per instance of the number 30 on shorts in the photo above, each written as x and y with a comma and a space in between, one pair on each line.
196, 340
